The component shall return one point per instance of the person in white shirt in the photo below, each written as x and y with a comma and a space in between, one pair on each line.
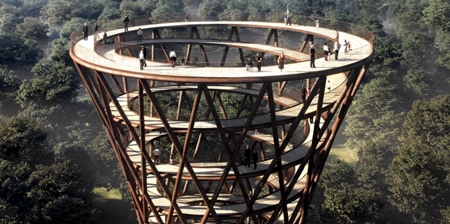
336, 50
325, 51
141, 59
173, 58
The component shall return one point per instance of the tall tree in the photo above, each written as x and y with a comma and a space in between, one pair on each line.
60, 11
346, 201
168, 11
53, 83
21, 138
374, 114
419, 174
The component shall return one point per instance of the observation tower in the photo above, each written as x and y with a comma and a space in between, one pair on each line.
203, 114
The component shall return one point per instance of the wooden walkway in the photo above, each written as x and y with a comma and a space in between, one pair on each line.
286, 115
104, 59
292, 156
294, 55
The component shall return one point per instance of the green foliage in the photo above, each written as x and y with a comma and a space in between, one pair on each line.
345, 201
446, 215
442, 43
8, 78
54, 82
367, 123
20, 137
72, 25
109, 13
53, 202
419, 175
407, 14
141, 7
16, 50
418, 81
9, 18
32, 188
60, 51
414, 55
168, 11
436, 14
374, 158
32, 28
60, 11
236, 10
106, 161
209, 9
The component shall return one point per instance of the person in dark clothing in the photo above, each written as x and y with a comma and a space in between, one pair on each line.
312, 53
258, 62
105, 35
255, 158
139, 33
85, 32
303, 93
126, 20
247, 155
144, 52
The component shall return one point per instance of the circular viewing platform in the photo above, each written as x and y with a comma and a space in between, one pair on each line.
202, 113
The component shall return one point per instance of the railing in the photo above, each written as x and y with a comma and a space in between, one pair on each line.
215, 53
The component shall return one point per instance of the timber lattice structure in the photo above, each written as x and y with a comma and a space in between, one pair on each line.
200, 176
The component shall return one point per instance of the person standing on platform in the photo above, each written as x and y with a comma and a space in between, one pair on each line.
287, 20
303, 93
280, 62
85, 32
325, 51
258, 62
126, 20
312, 54
345, 47
139, 33
104, 39
173, 58
336, 50
96, 30
317, 24
141, 60
247, 154
329, 52
156, 154
255, 158
144, 51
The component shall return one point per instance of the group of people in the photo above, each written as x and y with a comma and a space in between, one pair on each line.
96, 27
258, 60
86, 30
250, 154
327, 51
143, 55
337, 47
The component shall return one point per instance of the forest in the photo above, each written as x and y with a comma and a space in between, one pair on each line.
56, 162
